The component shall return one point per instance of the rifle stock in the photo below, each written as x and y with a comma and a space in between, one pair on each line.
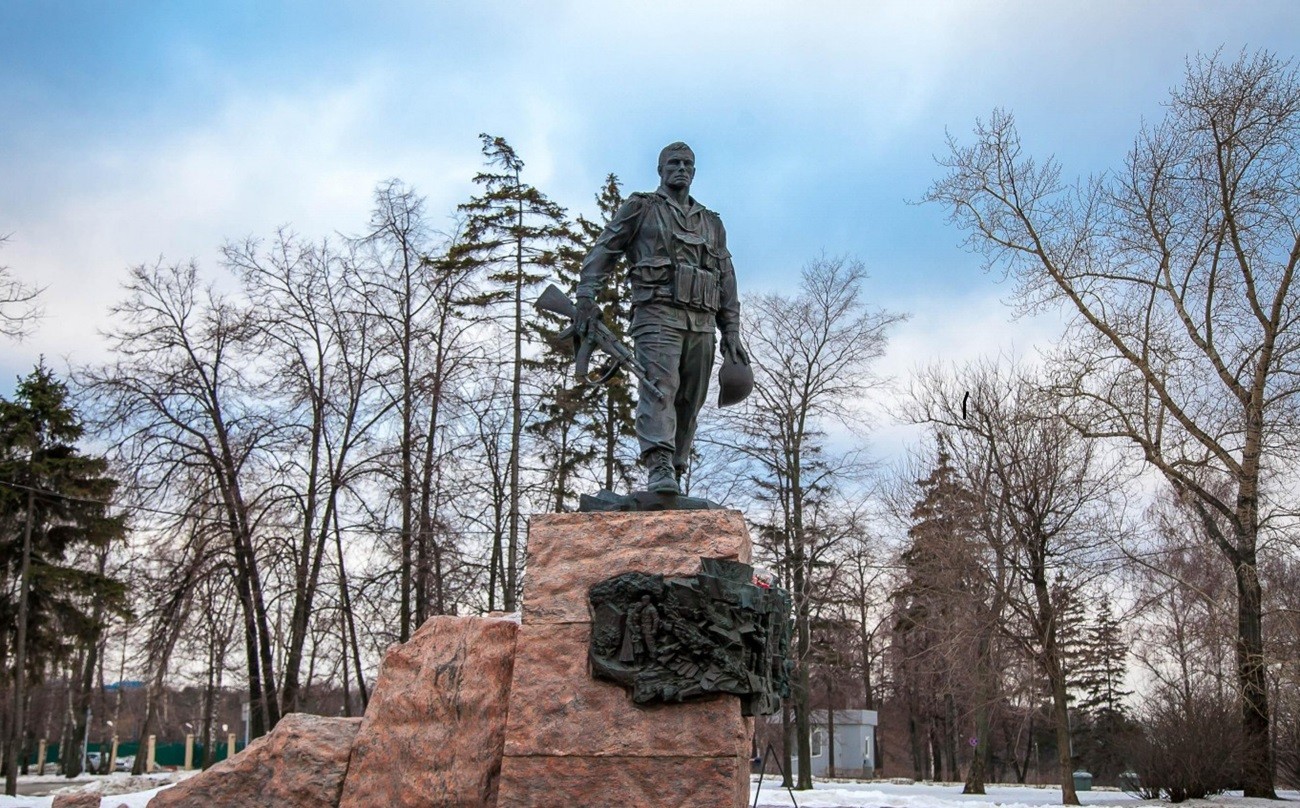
555, 301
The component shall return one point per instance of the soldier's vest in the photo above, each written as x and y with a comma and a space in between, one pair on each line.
661, 278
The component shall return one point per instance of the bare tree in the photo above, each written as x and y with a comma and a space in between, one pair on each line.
1180, 268
950, 609
178, 399
19, 310
450, 356
172, 581
811, 357
488, 509
860, 586
1047, 500
322, 348
397, 297
1186, 625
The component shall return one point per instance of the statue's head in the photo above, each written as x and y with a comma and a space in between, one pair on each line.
677, 165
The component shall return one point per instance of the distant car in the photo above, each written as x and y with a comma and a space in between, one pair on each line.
93, 759
124, 764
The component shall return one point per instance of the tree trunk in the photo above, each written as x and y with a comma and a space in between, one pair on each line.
1258, 767
1051, 661
81, 703
1061, 717
345, 599
919, 758
303, 604
209, 702
404, 621
983, 703
803, 646
830, 734
429, 567
950, 737
18, 720
787, 747
516, 421
256, 694
347, 665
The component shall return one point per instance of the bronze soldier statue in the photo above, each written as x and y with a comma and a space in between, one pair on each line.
683, 290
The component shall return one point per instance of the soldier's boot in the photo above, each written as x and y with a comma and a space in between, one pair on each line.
660, 477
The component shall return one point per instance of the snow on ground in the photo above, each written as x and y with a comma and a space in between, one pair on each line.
850, 794
882, 794
117, 789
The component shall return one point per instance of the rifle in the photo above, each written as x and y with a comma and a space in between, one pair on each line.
598, 336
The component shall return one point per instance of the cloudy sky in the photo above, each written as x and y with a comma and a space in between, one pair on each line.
132, 131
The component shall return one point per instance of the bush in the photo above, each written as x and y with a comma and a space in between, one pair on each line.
1288, 749
1189, 747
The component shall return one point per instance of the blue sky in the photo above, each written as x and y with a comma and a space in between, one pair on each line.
130, 131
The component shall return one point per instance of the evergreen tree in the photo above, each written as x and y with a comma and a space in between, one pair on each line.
1103, 664
938, 609
614, 415
563, 423
52, 504
515, 232
582, 424
1071, 631
1103, 722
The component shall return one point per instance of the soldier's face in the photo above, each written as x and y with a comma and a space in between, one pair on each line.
677, 170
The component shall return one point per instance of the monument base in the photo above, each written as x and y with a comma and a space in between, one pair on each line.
573, 740
481, 712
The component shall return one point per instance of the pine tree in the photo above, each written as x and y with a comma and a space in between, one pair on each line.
52, 504
515, 232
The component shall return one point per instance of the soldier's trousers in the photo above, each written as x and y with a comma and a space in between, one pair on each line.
679, 362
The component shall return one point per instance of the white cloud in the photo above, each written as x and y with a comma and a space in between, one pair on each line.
261, 161
949, 331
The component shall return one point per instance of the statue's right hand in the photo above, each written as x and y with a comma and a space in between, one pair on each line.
588, 314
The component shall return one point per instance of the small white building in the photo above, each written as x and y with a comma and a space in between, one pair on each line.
855, 753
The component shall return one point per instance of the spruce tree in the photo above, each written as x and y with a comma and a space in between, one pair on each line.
1103, 663
53, 502
614, 415
941, 604
582, 424
1071, 631
1104, 723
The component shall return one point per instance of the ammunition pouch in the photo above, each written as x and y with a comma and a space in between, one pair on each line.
685, 287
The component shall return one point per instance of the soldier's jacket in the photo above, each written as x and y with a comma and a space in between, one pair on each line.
679, 267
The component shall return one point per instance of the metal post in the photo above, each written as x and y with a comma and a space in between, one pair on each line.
230, 746
149, 763
189, 751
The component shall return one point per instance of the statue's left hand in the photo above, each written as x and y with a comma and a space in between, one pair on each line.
733, 350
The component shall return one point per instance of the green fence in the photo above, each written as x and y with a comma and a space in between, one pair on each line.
165, 754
